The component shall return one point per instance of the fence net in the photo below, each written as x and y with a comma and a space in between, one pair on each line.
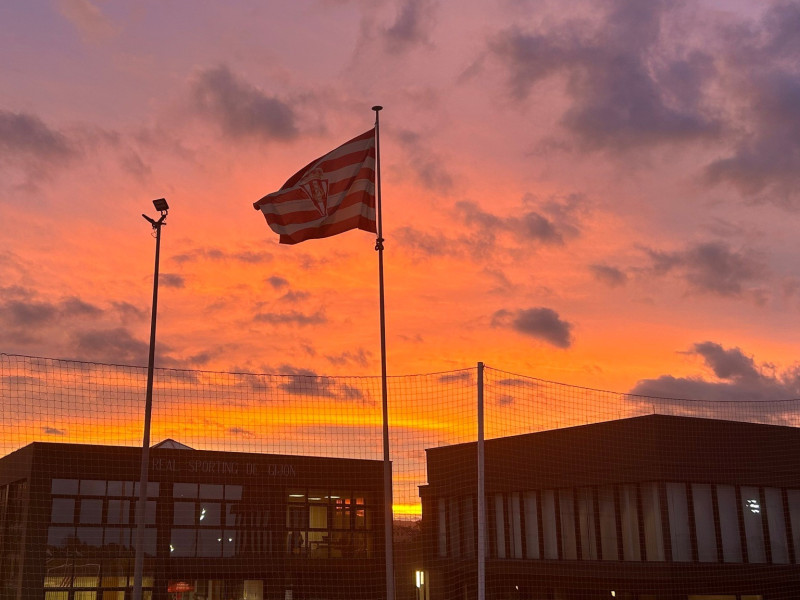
270, 486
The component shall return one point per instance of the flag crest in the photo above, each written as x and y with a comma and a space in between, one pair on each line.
331, 195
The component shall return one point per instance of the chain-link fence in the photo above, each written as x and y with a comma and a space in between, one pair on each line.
295, 414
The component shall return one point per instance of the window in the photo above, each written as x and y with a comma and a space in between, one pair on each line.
586, 524
204, 515
532, 526
678, 510
120, 488
499, 526
753, 514
90, 536
91, 578
149, 511
233, 492
209, 543
93, 487
183, 543
608, 523
58, 537
228, 543
183, 513
312, 531
64, 487
776, 525
119, 512
629, 515
705, 522
152, 489
363, 518
442, 527
455, 533
729, 524
793, 497
210, 514
210, 491
317, 538
566, 509
184, 490
91, 511
515, 526
63, 510
103, 521
119, 538
468, 527
549, 532
651, 515
705, 530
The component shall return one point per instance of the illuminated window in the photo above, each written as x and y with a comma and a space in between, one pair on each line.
321, 524
753, 524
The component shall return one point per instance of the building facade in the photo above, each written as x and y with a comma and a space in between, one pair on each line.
650, 508
219, 525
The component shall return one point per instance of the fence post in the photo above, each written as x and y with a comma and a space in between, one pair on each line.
481, 494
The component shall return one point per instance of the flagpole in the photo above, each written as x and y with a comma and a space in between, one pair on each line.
388, 515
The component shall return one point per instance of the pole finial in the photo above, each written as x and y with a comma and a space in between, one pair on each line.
376, 108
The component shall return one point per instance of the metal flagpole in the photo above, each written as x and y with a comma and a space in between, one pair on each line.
138, 569
388, 515
481, 493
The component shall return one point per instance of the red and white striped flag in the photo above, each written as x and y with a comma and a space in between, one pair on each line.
333, 194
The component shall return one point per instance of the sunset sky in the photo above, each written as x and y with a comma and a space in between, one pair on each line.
603, 194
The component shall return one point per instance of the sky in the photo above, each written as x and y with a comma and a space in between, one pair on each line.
604, 194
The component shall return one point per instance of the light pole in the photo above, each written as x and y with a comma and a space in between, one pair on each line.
162, 207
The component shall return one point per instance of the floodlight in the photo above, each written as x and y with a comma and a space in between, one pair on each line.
161, 205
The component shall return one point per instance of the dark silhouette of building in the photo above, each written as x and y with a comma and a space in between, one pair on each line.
219, 525
652, 507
